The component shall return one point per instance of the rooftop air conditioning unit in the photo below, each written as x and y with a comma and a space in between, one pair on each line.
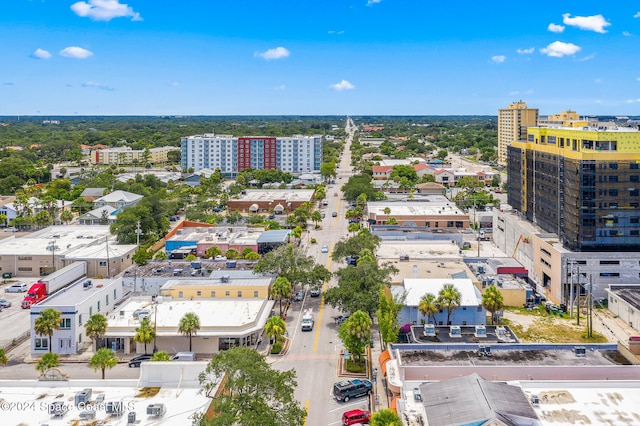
455, 331
481, 331
430, 330
225, 278
179, 232
417, 395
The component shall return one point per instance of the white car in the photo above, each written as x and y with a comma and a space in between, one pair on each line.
325, 249
220, 258
16, 288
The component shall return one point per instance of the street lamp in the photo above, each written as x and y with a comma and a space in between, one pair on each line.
155, 324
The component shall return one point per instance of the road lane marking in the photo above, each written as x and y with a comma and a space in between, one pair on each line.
324, 288
306, 408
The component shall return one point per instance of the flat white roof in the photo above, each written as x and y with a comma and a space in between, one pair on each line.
418, 249
217, 317
67, 239
277, 194
76, 294
34, 401
418, 287
415, 209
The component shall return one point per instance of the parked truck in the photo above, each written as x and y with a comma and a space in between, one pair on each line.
307, 320
48, 285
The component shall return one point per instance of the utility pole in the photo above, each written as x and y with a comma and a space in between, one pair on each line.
590, 318
138, 232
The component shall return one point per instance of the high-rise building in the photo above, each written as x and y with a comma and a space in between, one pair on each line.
512, 126
581, 181
293, 154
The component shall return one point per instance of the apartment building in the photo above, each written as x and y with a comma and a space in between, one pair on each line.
126, 155
581, 183
512, 126
294, 154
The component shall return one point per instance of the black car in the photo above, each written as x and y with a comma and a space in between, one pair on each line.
299, 296
135, 362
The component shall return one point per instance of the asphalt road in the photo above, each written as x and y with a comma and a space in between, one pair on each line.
314, 355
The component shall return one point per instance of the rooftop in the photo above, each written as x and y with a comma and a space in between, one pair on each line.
233, 281
76, 294
418, 249
117, 196
422, 208
630, 294
67, 240
217, 235
295, 195
415, 288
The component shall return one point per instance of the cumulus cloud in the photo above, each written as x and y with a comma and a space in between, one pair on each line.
174, 84
95, 85
75, 52
558, 49
637, 15
595, 23
343, 85
41, 54
281, 87
372, 2
528, 51
104, 10
555, 28
276, 53
498, 59
626, 33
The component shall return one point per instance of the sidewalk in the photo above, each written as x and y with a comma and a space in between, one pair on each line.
380, 398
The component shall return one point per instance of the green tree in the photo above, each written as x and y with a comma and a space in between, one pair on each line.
449, 298
189, 325
212, 252
352, 246
190, 258
316, 217
145, 333
231, 254
428, 307
142, 256
391, 221
160, 356
385, 417
281, 289
353, 228
96, 326
404, 171
103, 358
386, 211
442, 154
3, 357
246, 251
48, 360
328, 170
493, 301
289, 262
46, 323
66, 216
275, 328
249, 386
161, 255
252, 255
355, 334
389, 308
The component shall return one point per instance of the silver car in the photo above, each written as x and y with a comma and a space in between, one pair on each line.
16, 288
4, 303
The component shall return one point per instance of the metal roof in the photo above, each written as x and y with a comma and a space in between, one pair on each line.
274, 236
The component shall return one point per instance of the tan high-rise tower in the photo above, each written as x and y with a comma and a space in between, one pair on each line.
512, 126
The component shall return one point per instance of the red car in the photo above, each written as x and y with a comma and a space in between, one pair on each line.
355, 417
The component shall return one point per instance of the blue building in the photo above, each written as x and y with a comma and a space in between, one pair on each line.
470, 311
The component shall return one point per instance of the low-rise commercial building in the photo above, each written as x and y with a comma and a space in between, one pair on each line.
435, 212
277, 201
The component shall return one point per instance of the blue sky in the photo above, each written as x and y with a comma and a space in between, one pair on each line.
359, 57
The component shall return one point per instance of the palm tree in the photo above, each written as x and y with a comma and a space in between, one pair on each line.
316, 217
189, 325
275, 328
449, 298
3, 219
492, 301
386, 210
355, 334
96, 326
104, 358
145, 333
47, 322
392, 221
281, 289
3, 357
428, 306
48, 360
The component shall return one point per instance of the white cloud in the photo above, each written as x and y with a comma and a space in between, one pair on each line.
595, 23
281, 87
100, 86
637, 15
555, 28
335, 32
104, 10
588, 58
528, 51
41, 54
174, 84
597, 80
558, 49
343, 85
631, 101
75, 52
626, 33
514, 92
638, 78
276, 53
498, 59
372, 2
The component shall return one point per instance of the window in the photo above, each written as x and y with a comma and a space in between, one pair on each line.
90, 311
80, 319
479, 309
239, 293
213, 294
42, 343
198, 293
65, 323
115, 294
613, 165
610, 274
634, 219
180, 294
613, 192
255, 293
609, 262
103, 263
106, 300
98, 306
634, 166
634, 178
634, 233
613, 178
227, 293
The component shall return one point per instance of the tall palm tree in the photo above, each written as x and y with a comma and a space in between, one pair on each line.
449, 298
316, 217
189, 325
281, 289
96, 326
275, 328
48, 360
428, 306
104, 358
145, 333
47, 322
492, 301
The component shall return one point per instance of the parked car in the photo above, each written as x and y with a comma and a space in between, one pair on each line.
355, 417
314, 292
220, 257
345, 390
4, 303
135, 362
17, 288
325, 249
341, 318
299, 297
323, 215
334, 214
